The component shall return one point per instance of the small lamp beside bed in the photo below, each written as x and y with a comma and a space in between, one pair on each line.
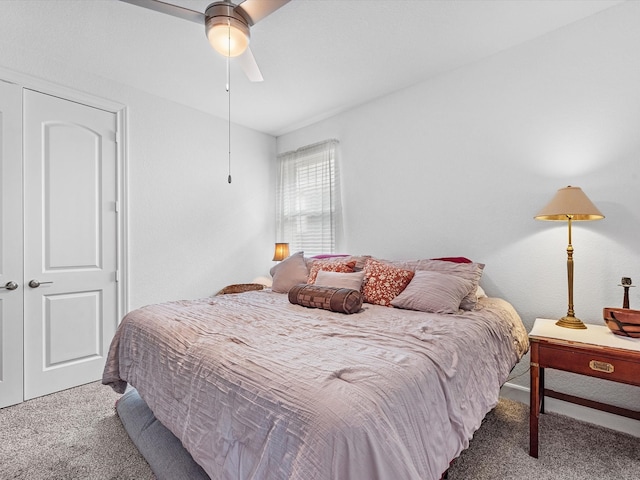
281, 252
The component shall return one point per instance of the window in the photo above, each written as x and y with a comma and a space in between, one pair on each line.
308, 198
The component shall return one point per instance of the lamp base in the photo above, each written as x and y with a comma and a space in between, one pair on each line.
571, 322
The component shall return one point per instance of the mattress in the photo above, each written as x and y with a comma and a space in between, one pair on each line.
255, 387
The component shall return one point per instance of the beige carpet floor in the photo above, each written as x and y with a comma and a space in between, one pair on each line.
76, 434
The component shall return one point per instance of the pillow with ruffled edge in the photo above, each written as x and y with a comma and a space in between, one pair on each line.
383, 282
289, 272
433, 292
340, 280
329, 266
359, 259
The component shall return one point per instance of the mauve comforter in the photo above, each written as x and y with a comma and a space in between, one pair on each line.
258, 388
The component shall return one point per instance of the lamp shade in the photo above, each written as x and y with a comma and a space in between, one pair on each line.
281, 252
570, 202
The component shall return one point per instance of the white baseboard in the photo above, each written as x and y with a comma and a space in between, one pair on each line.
586, 414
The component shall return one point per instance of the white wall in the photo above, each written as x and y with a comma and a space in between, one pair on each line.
459, 165
190, 232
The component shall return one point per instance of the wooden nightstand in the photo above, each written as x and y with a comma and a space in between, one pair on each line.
595, 352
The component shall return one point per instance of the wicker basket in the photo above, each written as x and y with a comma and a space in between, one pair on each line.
240, 287
622, 321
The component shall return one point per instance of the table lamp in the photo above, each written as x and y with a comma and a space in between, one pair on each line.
281, 252
570, 204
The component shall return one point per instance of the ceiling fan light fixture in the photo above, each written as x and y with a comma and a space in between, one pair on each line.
227, 31
228, 39
224, 20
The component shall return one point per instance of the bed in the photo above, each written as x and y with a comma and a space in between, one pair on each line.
257, 386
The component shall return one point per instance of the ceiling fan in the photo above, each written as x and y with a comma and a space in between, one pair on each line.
227, 25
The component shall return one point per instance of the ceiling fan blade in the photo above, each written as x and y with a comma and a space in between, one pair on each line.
250, 67
256, 10
169, 9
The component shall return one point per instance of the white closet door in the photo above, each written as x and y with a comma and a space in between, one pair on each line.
70, 307
11, 366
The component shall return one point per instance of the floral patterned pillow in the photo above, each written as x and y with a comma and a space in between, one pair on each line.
329, 266
383, 282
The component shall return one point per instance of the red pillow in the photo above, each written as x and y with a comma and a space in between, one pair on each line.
329, 266
454, 259
383, 282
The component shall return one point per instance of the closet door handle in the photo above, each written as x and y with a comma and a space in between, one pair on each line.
35, 283
10, 285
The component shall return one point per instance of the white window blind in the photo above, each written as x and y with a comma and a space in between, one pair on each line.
308, 206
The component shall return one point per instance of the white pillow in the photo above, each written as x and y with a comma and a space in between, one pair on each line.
340, 280
434, 292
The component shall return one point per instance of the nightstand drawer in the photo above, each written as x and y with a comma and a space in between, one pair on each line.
604, 364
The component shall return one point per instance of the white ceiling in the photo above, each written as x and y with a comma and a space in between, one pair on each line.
318, 57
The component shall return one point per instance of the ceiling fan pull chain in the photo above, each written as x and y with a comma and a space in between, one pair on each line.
229, 97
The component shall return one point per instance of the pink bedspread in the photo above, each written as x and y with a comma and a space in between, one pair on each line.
258, 388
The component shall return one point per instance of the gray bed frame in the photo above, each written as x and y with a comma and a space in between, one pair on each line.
164, 452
